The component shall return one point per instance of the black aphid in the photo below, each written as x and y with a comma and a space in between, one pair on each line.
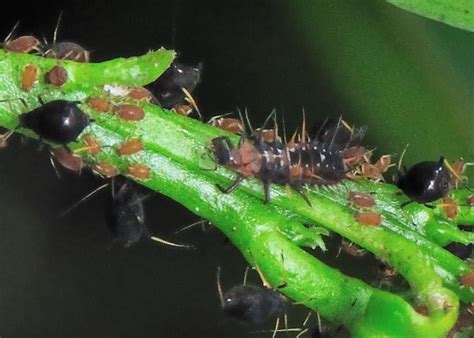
426, 181
57, 121
253, 304
168, 88
67, 50
125, 216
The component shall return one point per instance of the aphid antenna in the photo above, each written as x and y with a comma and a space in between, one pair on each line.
244, 134
51, 160
336, 131
187, 227
302, 332
56, 29
277, 324
246, 112
291, 329
7, 38
192, 102
219, 286
85, 198
272, 114
212, 119
399, 166
176, 245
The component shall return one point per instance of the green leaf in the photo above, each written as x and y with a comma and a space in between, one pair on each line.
457, 13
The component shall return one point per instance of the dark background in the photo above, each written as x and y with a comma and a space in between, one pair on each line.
61, 278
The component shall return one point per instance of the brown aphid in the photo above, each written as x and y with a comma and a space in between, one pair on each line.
361, 199
352, 249
140, 94
92, 145
388, 271
422, 310
183, 109
457, 169
470, 200
99, 104
355, 156
139, 171
368, 218
130, 147
57, 76
371, 171
450, 207
229, 124
105, 169
22, 44
67, 159
467, 279
383, 163
129, 112
29, 77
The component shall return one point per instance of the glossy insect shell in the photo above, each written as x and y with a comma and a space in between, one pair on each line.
125, 216
426, 181
168, 87
253, 304
57, 121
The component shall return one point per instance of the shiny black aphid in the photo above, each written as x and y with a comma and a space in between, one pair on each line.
253, 304
168, 88
125, 216
426, 181
57, 121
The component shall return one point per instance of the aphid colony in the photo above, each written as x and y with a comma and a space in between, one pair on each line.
60, 122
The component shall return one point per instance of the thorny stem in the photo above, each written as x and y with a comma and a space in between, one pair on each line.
270, 236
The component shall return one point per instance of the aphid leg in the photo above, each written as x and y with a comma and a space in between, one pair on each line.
219, 286
277, 324
302, 332
203, 221
176, 245
85, 198
245, 275
266, 189
192, 102
4, 137
232, 187
56, 29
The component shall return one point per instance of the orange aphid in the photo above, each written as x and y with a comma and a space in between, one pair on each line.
356, 155
383, 163
105, 169
56, 76
352, 249
467, 280
457, 169
183, 109
129, 112
22, 44
139, 171
229, 124
92, 145
361, 199
450, 207
99, 104
368, 218
67, 159
140, 94
130, 147
29, 77
470, 200
371, 171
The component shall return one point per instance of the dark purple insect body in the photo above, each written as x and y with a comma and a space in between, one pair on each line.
426, 181
168, 88
253, 304
308, 162
57, 121
67, 51
125, 216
